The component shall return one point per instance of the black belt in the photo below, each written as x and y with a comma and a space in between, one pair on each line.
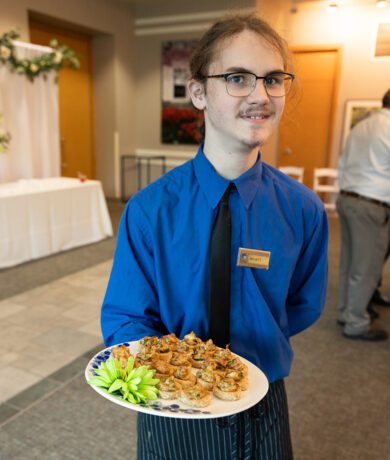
365, 198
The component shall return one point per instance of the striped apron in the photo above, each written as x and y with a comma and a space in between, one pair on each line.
261, 432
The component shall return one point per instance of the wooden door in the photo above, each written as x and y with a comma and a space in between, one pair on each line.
306, 127
75, 100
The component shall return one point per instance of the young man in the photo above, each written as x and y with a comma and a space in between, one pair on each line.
163, 280
364, 209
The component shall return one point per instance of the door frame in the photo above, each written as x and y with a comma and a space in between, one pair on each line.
51, 26
336, 88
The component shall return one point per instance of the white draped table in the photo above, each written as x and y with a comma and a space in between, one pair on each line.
39, 217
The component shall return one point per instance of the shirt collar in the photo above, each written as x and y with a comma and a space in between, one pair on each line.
213, 185
385, 111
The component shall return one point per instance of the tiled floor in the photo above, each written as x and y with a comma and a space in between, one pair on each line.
48, 327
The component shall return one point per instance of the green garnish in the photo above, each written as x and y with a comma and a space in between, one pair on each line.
135, 384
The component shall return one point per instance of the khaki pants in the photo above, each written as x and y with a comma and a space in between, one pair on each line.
365, 231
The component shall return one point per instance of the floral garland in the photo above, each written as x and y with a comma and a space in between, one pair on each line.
60, 56
5, 137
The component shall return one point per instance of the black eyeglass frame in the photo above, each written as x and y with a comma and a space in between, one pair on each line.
225, 76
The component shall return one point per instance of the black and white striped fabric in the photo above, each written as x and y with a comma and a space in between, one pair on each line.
261, 432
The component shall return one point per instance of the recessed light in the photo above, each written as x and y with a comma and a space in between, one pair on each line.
332, 7
381, 3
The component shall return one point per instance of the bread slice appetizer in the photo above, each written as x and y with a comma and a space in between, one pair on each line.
207, 378
210, 346
168, 388
162, 351
236, 364
147, 343
238, 376
222, 354
163, 369
190, 370
192, 340
183, 348
144, 358
169, 340
196, 396
122, 353
180, 359
220, 366
228, 390
200, 357
184, 376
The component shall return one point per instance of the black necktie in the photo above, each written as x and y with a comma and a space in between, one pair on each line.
219, 305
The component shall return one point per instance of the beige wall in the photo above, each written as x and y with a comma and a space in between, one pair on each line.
153, 8
148, 63
148, 95
353, 27
111, 24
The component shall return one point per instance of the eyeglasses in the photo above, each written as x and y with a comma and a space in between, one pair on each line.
241, 84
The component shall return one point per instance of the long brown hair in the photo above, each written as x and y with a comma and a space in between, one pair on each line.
386, 99
228, 27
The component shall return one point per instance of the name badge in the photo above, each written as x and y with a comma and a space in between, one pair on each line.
253, 258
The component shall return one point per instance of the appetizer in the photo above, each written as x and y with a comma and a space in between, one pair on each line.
162, 351
228, 390
191, 339
163, 369
169, 388
189, 370
196, 396
180, 359
238, 376
207, 377
122, 353
184, 376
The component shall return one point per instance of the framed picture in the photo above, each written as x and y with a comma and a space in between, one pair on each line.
356, 111
180, 121
382, 42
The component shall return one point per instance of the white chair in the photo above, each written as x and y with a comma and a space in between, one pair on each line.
325, 183
296, 172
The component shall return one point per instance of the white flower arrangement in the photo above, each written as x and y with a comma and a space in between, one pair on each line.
5, 138
5, 52
61, 56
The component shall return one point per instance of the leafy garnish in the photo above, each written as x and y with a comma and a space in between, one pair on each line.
135, 384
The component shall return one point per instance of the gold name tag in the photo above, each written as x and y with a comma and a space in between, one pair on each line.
253, 258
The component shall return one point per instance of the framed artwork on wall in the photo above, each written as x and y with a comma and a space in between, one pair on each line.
355, 111
382, 42
180, 121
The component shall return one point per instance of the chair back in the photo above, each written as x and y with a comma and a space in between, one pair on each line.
296, 172
325, 184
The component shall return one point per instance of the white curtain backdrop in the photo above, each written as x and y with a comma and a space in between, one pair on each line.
30, 114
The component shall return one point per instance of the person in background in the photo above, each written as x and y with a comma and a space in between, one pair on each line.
364, 209
378, 298
166, 274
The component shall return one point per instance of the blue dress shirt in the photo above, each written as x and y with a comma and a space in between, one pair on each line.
160, 276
